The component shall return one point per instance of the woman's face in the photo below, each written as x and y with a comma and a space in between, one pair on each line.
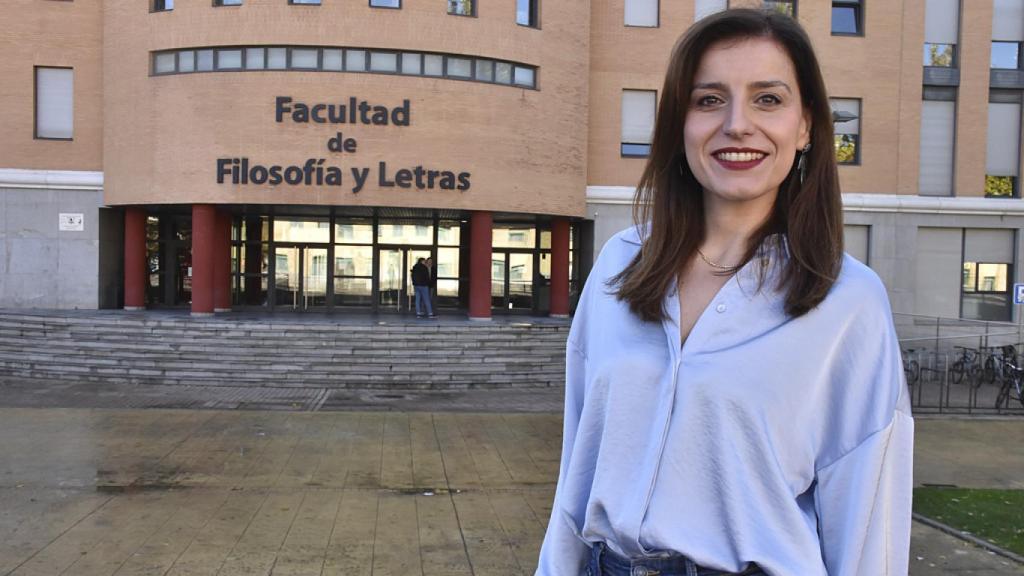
745, 122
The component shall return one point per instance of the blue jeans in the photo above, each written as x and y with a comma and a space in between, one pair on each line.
423, 297
604, 562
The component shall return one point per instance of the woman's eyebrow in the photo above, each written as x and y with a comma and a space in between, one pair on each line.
771, 84
759, 85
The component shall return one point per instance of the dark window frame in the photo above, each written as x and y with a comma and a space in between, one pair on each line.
1009, 97
657, 24
534, 15
954, 60
623, 153
35, 104
1020, 54
160, 6
399, 7
472, 10
858, 8
367, 54
791, 2
857, 141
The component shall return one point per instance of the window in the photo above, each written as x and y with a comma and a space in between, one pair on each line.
1005, 55
227, 2
55, 111
383, 62
527, 13
334, 59
305, 58
460, 67
847, 18
386, 3
523, 76
310, 2
1007, 33
412, 64
163, 5
938, 129
462, 7
1002, 156
987, 274
164, 63
638, 108
846, 118
787, 7
229, 59
277, 58
705, 8
255, 58
941, 30
940, 55
642, 13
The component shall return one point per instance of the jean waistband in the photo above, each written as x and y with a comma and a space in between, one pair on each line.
670, 564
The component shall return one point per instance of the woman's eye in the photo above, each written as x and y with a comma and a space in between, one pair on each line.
769, 99
708, 100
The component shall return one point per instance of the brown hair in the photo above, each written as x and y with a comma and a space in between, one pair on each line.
669, 202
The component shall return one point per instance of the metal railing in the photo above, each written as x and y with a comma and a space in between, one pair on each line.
956, 366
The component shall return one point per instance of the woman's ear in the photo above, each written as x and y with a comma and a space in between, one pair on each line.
804, 136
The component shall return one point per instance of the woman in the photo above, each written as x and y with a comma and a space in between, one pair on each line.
735, 401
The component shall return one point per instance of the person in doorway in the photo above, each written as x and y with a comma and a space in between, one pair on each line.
735, 401
433, 280
421, 286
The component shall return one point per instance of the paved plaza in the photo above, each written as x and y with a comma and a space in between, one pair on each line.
383, 490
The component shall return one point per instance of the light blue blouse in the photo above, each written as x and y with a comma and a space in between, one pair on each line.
785, 442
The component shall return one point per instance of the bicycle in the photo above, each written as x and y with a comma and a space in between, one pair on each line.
911, 367
1012, 386
968, 364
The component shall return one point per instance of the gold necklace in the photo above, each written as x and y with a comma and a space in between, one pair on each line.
710, 263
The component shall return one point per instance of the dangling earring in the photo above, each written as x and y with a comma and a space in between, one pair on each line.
801, 164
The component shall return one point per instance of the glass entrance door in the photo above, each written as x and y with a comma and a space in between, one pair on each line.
395, 272
512, 280
300, 277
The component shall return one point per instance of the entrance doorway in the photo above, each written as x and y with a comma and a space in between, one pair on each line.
395, 272
300, 276
518, 281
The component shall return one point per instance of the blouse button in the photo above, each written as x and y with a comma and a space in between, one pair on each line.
720, 308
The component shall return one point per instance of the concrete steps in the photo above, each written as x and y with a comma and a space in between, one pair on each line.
221, 351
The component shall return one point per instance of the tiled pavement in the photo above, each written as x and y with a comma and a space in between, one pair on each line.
397, 487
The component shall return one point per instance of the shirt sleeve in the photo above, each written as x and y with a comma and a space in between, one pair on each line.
863, 502
563, 552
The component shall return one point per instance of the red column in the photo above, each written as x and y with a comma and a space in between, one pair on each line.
134, 259
480, 225
560, 268
222, 263
204, 233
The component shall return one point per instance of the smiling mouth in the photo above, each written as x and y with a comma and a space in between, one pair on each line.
733, 157
733, 160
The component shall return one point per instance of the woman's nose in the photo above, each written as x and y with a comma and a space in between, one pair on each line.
737, 121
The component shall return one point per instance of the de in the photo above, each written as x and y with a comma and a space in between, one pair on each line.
341, 144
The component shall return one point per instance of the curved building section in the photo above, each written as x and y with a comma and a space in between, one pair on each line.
233, 105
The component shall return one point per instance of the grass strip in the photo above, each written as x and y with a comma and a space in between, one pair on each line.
993, 515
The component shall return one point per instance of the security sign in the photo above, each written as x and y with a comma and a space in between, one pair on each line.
72, 222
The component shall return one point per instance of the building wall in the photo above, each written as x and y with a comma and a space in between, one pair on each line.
525, 149
58, 34
41, 266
